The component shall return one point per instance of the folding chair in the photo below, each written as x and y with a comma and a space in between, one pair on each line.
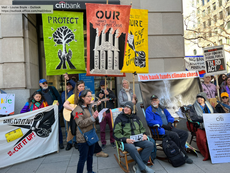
122, 155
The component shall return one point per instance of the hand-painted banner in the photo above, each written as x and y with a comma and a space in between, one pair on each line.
7, 104
167, 76
214, 58
64, 42
28, 135
136, 55
107, 32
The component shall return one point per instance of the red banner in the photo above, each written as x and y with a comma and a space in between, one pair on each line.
107, 31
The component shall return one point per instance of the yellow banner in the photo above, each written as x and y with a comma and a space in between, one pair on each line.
136, 55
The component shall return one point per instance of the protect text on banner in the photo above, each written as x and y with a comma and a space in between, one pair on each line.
63, 42
107, 32
167, 76
214, 58
28, 135
136, 54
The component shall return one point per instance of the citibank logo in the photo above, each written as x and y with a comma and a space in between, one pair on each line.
220, 118
67, 5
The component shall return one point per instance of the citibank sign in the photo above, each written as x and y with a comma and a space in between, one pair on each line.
66, 5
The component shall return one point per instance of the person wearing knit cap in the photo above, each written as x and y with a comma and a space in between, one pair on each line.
158, 114
126, 125
223, 106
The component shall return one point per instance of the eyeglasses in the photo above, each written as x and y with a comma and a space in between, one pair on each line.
44, 83
224, 97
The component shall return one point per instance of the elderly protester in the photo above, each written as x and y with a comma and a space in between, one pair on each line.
126, 94
209, 88
85, 120
223, 106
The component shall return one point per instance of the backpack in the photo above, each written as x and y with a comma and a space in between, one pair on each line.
173, 152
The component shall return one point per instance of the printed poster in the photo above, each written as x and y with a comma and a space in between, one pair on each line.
29, 135
194, 63
7, 104
107, 28
136, 55
63, 42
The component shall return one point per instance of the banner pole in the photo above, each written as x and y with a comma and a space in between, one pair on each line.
105, 89
218, 91
107, 2
66, 124
134, 107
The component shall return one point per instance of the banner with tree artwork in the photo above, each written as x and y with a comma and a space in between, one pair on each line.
136, 55
63, 42
107, 28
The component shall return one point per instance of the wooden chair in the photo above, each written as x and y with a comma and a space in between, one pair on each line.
156, 135
122, 157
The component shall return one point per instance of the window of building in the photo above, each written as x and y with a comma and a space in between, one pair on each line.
220, 3
209, 22
227, 41
221, 14
210, 34
228, 25
228, 11
198, 10
194, 51
208, 10
214, 6
204, 25
215, 18
203, 13
202, 2
220, 41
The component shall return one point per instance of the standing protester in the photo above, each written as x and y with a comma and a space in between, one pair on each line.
73, 99
102, 94
85, 120
70, 84
36, 101
225, 88
223, 106
222, 79
50, 93
126, 94
209, 88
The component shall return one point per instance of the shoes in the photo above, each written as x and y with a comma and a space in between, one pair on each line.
102, 154
188, 160
103, 146
68, 147
61, 146
136, 169
75, 145
148, 169
113, 145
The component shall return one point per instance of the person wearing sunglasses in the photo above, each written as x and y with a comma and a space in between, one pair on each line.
223, 106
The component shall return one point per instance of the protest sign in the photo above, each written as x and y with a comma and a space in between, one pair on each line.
136, 55
28, 135
107, 32
217, 128
7, 104
63, 42
214, 58
194, 63
167, 76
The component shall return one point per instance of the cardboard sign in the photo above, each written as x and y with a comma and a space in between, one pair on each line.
63, 42
107, 32
214, 58
194, 63
7, 104
136, 55
217, 128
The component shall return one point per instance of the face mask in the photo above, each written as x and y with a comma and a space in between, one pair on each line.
45, 88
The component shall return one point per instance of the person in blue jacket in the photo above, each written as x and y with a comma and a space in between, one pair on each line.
50, 93
157, 114
70, 85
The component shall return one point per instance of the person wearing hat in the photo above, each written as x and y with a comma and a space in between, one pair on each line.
50, 93
127, 124
107, 94
224, 106
158, 114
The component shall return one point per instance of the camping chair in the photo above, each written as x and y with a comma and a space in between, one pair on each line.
122, 155
156, 135
191, 125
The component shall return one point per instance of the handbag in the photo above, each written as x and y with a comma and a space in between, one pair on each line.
90, 136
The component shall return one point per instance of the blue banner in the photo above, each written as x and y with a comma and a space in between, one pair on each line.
89, 82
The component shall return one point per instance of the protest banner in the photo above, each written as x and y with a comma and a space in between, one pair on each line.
63, 42
168, 76
194, 63
28, 135
217, 128
214, 58
7, 104
107, 32
136, 54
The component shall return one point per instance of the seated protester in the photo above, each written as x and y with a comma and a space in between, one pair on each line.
201, 106
223, 106
127, 124
157, 114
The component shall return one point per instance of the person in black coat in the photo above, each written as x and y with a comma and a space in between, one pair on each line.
223, 106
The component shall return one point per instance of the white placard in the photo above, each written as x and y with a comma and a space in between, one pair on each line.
100, 114
217, 128
28, 135
137, 138
7, 104
194, 63
25, 9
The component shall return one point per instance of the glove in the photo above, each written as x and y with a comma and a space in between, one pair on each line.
167, 127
